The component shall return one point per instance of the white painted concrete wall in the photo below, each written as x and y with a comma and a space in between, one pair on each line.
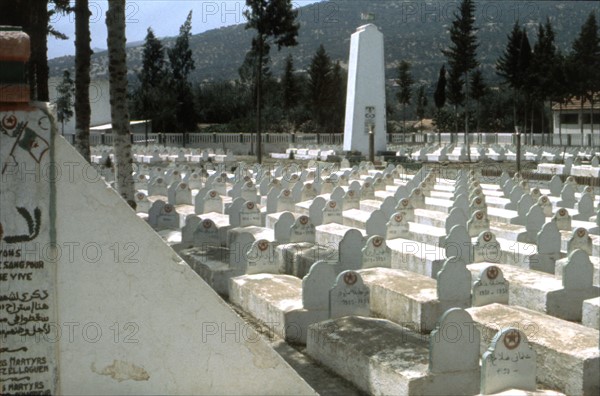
127, 315
366, 88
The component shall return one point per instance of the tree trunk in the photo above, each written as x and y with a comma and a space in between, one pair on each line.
467, 142
117, 68
39, 21
581, 118
83, 54
532, 117
258, 100
592, 119
560, 123
542, 122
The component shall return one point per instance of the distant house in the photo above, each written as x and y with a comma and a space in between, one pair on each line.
99, 103
568, 117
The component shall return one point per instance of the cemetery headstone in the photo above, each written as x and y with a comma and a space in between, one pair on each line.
491, 287
349, 296
509, 363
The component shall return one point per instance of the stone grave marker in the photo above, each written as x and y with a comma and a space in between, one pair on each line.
376, 253
219, 184
285, 201
206, 234
317, 284
337, 194
249, 215
487, 248
562, 219
397, 226
248, 192
509, 363
455, 217
158, 187
303, 230
454, 284
535, 194
534, 221
260, 258
349, 296
283, 227
367, 191
332, 213
141, 202
491, 287
585, 207
376, 223
388, 206
154, 212
211, 202
180, 195
578, 273
417, 199
351, 200
272, 199
458, 244
580, 239
315, 210
523, 206
350, 250
454, 346
168, 218
478, 223
546, 205
548, 248
477, 203
567, 196
187, 231
405, 207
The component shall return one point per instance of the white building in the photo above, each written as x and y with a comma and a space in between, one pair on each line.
569, 118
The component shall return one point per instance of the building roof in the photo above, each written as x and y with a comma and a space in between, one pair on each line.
575, 104
108, 127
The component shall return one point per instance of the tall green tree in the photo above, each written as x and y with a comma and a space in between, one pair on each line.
439, 96
319, 77
154, 97
117, 71
478, 91
541, 69
83, 58
455, 94
274, 21
462, 52
289, 85
181, 64
421, 104
513, 64
64, 100
338, 95
405, 83
585, 57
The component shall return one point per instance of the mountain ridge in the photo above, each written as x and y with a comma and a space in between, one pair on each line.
413, 31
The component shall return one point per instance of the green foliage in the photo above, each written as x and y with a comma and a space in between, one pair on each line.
64, 101
462, 52
405, 82
439, 96
421, 103
289, 85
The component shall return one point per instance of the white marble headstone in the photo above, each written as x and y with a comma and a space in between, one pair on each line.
349, 296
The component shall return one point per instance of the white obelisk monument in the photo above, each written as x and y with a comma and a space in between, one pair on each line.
365, 100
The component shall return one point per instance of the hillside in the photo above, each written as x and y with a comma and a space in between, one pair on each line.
415, 31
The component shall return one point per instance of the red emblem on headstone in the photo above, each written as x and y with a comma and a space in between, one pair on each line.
207, 223
377, 242
263, 245
562, 212
512, 339
183, 186
168, 208
140, 196
303, 220
492, 272
479, 215
350, 278
332, 204
398, 218
213, 193
487, 236
9, 121
250, 205
581, 232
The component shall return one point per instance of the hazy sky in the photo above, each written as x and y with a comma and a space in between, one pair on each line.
164, 16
